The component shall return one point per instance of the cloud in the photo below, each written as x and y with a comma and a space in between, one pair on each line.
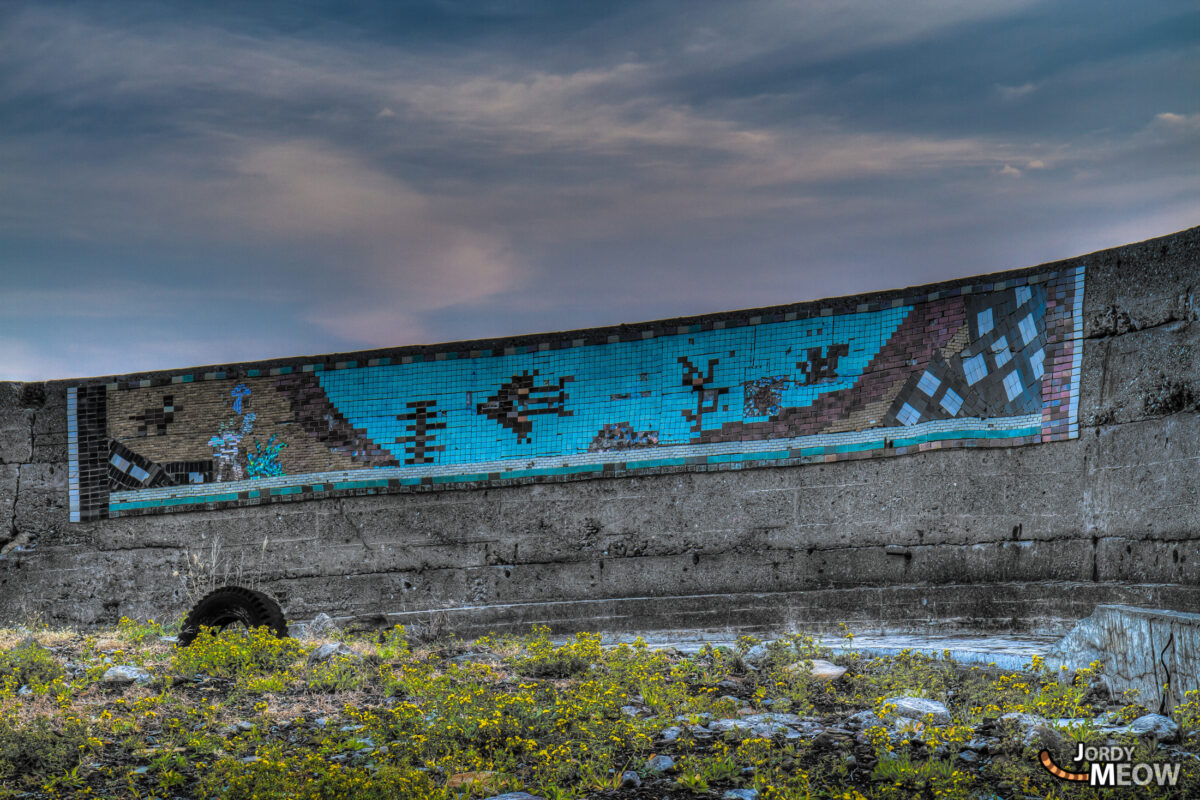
1016, 92
1172, 121
339, 188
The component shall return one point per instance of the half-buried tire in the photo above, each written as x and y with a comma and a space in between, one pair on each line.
232, 605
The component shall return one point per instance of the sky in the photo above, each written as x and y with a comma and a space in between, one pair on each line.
184, 184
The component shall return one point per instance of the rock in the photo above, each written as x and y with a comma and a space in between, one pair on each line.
1023, 721
729, 685
672, 733
777, 718
243, 725
703, 718
978, 745
321, 625
1040, 736
631, 711
1142, 649
831, 737
766, 725
863, 719
756, 655
24, 691
660, 764
918, 708
740, 794
630, 779
821, 670
328, 651
1162, 728
969, 756
514, 796
125, 674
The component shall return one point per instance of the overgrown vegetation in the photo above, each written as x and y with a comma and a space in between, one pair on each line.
245, 716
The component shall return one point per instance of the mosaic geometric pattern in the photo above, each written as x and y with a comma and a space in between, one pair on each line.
994, 364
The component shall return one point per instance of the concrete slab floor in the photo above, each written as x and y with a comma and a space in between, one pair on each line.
1006, 651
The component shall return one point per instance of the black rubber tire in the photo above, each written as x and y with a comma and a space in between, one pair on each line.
232, 605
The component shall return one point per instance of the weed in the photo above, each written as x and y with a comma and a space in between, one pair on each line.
27, 664
40, 748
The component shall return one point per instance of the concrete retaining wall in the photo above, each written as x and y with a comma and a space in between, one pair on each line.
1021, 538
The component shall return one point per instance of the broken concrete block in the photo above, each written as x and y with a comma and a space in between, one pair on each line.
1154, 652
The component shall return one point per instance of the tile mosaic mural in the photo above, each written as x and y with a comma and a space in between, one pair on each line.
991, 364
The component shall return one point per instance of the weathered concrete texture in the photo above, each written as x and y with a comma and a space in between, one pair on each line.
1123, 376
1029, 538
16, 424
1153, 652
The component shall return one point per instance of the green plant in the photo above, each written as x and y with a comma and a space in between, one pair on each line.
40, 747
693, 782
236, 651
544, 660
137, 633
338, 674
27, 663
902, 776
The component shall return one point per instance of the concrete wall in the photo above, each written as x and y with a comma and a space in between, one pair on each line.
1023, 538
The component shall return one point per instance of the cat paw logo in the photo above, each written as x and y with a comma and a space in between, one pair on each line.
1112, 766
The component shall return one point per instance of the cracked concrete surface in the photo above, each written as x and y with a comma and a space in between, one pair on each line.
1025, 539
1152, 652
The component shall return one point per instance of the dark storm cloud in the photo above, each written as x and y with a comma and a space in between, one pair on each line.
209, 184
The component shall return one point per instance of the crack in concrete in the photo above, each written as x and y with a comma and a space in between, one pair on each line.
1166, 686
1110, 334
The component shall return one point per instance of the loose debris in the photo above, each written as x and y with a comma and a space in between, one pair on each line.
246, 714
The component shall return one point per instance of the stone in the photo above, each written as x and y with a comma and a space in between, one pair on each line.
328, 651
672, 733
126, 674
24, 691
631, 711
1142, 649
1022, 720
776, 718
756, 655
1162, 728
740, 794
919, 708
321, 625
630, 779
660, 764
1041, 736
514, 796
821, 670
244, 725
863, 719
702, 718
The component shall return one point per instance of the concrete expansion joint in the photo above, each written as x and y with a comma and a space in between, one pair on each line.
103, 548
